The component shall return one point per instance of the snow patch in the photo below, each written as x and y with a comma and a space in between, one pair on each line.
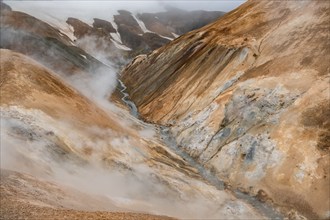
175, 35
116, 37
120, 46
145, 30
63, 27
141, 24
169, 38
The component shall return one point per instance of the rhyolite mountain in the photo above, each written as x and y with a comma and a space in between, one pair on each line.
248, 97
231, 120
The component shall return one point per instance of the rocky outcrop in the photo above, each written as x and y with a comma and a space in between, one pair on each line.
238, 95
99, 29
131, 39
106, 26
126, 18
81, 29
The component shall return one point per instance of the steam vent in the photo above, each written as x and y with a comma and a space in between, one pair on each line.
165, 110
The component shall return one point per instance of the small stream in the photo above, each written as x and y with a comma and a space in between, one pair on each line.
170, 141
131, 105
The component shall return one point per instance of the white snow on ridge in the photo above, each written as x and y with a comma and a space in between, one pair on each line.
116, 37
141, 24
169, 38
64, 28
83, 56
145, 30
175, 35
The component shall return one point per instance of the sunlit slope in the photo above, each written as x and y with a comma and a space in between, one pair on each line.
27, 83
248, 97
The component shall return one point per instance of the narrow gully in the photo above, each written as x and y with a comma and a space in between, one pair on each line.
131, 105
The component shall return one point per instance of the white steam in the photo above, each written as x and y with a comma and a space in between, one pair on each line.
34, 143
98, 86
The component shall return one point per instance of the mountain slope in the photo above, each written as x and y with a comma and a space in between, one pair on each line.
26, 83
51, 131
238, 95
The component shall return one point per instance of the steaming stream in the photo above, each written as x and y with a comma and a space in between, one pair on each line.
131, 105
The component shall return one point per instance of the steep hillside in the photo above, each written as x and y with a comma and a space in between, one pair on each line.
248, 97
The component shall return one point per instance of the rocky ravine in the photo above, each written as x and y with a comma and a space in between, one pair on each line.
248, 97
77, 151
219, 90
